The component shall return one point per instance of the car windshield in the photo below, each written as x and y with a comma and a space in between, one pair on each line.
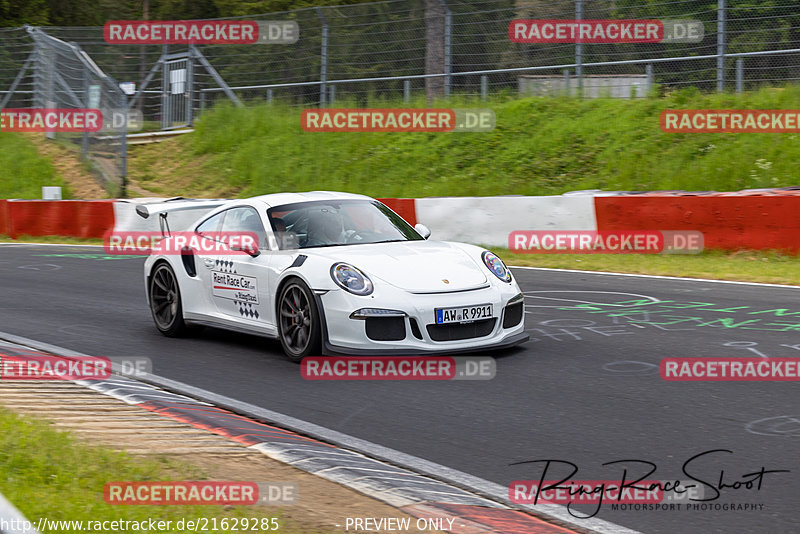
332, 223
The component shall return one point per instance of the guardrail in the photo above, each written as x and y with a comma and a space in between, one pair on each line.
146, 138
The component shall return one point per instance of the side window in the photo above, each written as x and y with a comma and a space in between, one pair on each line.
212, 224
245, 219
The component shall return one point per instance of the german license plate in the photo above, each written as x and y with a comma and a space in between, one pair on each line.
463, 314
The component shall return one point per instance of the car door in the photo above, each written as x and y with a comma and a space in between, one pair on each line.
240, 281
198, 263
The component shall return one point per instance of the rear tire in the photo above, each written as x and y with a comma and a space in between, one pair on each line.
299, 327
165, 301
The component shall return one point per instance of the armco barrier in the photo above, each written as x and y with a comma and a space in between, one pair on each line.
727, 222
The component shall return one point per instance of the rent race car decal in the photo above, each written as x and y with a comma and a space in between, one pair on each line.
234, 286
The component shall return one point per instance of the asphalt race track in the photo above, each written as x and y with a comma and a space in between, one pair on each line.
585, 390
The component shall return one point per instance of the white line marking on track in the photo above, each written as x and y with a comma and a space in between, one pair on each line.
657, 276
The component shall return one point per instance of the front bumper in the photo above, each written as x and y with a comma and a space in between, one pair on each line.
345, 335
506, 343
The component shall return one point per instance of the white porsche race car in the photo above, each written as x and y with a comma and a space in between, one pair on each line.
332, 273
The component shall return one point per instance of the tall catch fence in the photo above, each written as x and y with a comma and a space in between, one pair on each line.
395, 50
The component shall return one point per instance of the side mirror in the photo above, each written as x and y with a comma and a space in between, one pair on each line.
250, 248
422, 230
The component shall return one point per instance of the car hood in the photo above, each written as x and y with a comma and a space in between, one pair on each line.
415, 266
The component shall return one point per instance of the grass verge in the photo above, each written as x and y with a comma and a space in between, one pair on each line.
23, 171
46, 473
743, 266
541, 145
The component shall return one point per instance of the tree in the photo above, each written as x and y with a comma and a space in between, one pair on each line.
434, 53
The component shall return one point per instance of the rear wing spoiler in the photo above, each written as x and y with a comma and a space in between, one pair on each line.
176, 204
170, 205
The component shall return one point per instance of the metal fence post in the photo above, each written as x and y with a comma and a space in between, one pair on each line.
484, 87
721, 18
202, 100
331, 95
323, 67
651, 78
85, 137
190, 90
579, 49
31, 61
406, 91
269, 96
123, 142
566, 82
739, 75
164, 90
448, 36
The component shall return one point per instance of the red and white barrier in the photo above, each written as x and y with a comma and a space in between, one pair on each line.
489, 220
727, 222
767, 219
74, 218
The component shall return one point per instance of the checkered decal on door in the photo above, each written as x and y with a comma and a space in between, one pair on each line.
224, 266
246, 309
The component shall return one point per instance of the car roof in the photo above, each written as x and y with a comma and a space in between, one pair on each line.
279, 199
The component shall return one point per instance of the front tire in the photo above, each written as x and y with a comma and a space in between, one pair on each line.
165, 301
299, 326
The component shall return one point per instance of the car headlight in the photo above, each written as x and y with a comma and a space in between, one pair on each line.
496, 265
351, 279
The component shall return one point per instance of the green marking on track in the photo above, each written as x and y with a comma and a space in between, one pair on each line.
666, 309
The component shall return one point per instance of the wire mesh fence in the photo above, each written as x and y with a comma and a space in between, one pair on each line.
395, 51
395, 40
39, 71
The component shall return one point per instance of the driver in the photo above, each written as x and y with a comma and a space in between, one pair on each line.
325, 227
